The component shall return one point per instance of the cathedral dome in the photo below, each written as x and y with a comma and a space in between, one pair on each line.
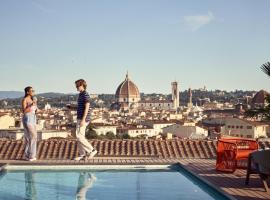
127, 89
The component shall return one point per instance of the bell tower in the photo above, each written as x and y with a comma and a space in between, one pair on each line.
175, 95
190, 104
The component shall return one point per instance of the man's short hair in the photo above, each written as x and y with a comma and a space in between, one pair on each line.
81, 82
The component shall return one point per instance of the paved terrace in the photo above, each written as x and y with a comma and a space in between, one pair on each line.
198, 157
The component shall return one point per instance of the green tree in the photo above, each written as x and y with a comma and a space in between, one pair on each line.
91, 133
126, 136
266, 68
123, 136
102, 137
110, 135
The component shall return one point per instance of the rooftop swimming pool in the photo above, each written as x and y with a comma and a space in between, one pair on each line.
170, 184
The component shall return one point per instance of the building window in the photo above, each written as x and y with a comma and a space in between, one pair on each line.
237, 127
232, 126
249, 127
249, 136
229, 126
241, 127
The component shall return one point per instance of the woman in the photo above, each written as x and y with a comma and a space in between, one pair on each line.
29, 107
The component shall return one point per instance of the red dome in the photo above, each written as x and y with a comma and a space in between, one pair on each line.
127, 89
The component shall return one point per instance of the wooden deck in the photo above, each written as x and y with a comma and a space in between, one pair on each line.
232, 184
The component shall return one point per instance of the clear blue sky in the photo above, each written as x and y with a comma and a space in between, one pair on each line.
49, 44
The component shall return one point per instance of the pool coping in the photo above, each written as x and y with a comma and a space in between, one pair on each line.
83, 167
96, 161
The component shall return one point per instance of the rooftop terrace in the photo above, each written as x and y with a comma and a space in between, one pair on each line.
196, 156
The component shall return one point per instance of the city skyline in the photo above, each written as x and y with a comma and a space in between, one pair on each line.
49, 45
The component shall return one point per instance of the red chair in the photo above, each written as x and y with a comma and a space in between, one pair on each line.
233, 153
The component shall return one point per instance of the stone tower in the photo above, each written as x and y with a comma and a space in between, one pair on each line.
175, 95
190, 104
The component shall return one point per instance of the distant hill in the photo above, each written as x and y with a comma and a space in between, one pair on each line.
16, 94
52, 95
10, 94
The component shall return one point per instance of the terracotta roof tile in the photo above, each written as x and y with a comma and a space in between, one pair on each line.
62, 149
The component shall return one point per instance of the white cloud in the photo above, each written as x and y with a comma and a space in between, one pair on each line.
195, 22
40, 6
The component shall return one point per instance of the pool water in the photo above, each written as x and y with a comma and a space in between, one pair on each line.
101, 185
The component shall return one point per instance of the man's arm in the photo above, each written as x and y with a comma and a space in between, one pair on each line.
71, 107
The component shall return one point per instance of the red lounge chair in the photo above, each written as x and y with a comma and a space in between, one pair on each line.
232, 153
259, 163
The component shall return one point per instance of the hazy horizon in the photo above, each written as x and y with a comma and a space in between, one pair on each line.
74, 93
217, 44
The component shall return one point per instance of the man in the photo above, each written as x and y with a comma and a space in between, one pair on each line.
86, 150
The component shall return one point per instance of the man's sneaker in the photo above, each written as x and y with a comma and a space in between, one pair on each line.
32, 159
92, 154
79, 158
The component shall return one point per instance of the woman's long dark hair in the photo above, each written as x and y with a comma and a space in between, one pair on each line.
26, 90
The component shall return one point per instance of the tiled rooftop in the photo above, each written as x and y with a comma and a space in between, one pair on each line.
66, 149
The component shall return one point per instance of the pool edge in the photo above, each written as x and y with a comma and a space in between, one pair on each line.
83, 167
3, 167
